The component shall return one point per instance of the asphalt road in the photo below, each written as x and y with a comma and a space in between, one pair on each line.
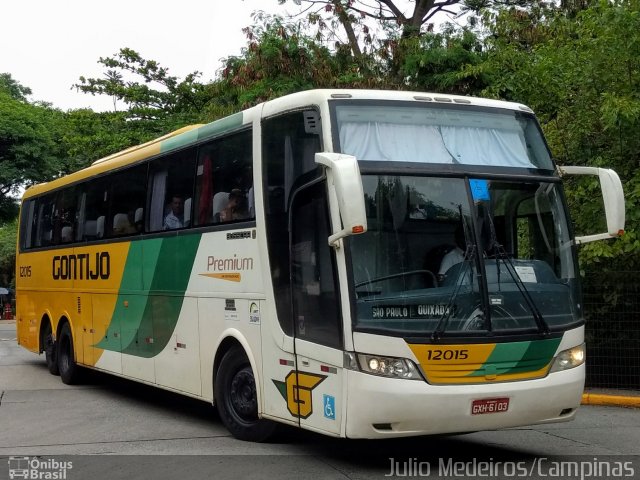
113, 428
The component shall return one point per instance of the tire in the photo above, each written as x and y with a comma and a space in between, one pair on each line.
236, 399
69, 370
50, 350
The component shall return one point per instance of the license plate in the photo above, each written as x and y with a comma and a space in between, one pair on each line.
489, 405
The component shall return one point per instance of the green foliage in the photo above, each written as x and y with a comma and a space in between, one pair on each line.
8, 234
86, 136
432, 62
580, 71
147, 88
13, 88
28, 150
280, 59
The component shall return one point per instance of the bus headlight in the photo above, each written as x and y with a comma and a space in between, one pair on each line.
574, 357
388, 366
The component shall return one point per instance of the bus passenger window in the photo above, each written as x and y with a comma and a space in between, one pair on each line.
171, 186
127, 195
224, 180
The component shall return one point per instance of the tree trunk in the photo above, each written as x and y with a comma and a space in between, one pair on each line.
343, 16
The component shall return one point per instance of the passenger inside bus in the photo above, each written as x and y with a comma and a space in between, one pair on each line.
174, 219
235, 209
454, 256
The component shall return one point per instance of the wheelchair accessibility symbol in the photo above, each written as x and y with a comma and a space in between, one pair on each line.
329, 404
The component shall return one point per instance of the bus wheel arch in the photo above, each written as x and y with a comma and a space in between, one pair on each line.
48, 345
235, 393
69, 369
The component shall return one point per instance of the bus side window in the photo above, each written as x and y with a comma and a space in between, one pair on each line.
67, 206
28, 211
127, 195
224, 180
44, 220
96, 198
171, 184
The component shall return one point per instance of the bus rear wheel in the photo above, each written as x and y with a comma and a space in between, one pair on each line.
236, 398
69, 369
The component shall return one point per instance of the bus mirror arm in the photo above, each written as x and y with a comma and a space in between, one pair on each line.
612, 195
344, 180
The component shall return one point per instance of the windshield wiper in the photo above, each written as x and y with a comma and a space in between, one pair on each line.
501, 253
465, 269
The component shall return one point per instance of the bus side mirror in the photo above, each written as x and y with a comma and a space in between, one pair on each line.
343, 179
612, 195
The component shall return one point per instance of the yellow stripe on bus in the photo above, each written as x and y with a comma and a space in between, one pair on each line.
459, 364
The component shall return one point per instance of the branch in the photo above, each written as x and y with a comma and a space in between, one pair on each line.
396, 11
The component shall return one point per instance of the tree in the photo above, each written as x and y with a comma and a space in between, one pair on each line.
8, 233
146, 88
433, 62
382, 12
580, 71
28, 151
399, 22
86, 136
13, 88
279, 59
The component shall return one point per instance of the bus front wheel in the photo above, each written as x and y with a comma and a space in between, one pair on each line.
236, 398
69, 370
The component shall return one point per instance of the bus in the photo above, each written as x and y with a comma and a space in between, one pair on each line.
362, 264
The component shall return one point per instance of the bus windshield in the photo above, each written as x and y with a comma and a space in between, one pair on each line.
398, 132
445, 255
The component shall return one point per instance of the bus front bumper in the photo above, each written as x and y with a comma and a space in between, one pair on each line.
380, 407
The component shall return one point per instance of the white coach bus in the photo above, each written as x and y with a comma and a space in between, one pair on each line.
364, 264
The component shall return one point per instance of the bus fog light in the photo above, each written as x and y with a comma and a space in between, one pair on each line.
571, 358
388, 366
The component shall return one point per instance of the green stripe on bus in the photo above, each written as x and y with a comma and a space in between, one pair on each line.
220, 126
518, 357
537, 356
151, 254
209, 130
179, 140
130, 287
147, 323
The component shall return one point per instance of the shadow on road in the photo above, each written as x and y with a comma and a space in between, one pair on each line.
372, 454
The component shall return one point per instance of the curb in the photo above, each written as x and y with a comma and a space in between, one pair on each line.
610, 400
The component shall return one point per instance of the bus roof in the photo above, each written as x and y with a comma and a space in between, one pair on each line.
319, 96
194, 133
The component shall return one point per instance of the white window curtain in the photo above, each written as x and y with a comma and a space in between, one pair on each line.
393, 142
432, 144
81, 216
158, 187
486, 146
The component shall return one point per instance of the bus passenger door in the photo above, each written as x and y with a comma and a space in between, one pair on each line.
317, 387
